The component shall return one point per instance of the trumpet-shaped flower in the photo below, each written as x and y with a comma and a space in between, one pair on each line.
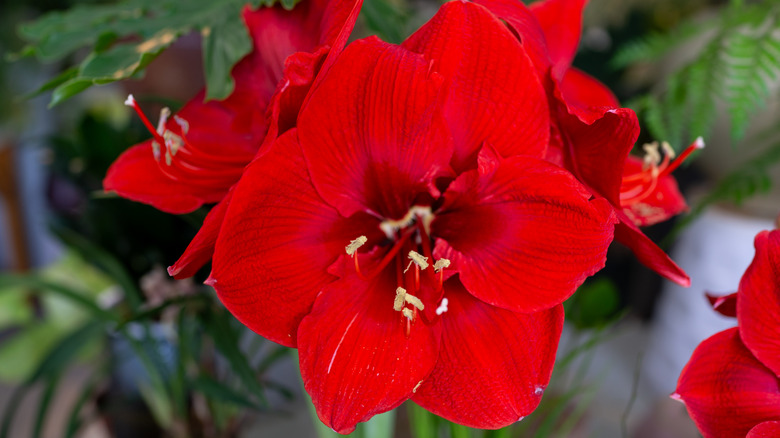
737, 371
408, 237
197, 155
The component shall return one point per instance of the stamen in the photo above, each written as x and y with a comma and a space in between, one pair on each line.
443, 306
697, 144
164, 114
408, 313
417, 259
130, 101
183, 124
441, 264
355, 244
400, 298
652, 156
413, 300
668, 150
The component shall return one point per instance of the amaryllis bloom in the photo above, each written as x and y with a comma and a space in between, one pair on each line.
648, 193
197, 155
731, 385
408, 237
590, 135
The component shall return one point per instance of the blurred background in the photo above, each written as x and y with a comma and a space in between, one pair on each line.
96, 340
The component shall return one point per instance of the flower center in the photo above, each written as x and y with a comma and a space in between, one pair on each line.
637, 186
181, 160
411, 247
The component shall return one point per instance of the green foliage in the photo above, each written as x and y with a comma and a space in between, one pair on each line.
125, 37
596, 304
739, 58
749, 179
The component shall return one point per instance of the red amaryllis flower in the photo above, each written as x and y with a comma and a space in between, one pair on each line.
590, 135
731, 386
196, 156
446, 240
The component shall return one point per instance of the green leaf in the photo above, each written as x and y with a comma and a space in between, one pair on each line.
43, 408
86, 394
223, 46
386, 19
596, 304
65, 351
103, 260
217, 391
123, 38
423, 423
226, 339
81, 298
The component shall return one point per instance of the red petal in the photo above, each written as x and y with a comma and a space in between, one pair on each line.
648, 253
278, 239
585, 96
523, 236
758, 306
767, 429
726, 390
595, 153
523, 22
135, 175
561, 21
493, 92
318, 31
726, 305
200, 250
494, 364
356, 360
369, 131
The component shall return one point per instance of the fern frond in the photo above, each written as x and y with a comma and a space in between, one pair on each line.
753, 56
658, 44
750, 179
735, 66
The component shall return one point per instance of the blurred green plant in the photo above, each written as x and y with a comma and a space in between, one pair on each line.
123, 38
738, 61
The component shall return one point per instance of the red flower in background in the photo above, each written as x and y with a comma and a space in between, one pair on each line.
196, 156
590, 135
470, 239
731, 385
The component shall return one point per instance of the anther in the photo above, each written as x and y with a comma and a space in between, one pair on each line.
652, 156
413, 300
408, 313
164, 114
355, 244
668, 150
418, 259
441, 264
400, 299
443, 306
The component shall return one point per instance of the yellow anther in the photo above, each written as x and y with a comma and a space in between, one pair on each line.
408, 313
164, 114
400, 299
668, 151
441, 264
414, 301
183, 124
652, 156
355, 244
417, 259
